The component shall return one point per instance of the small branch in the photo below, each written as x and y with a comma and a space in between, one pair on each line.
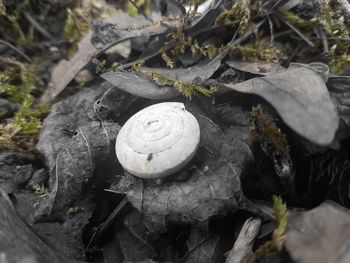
321, 34
38, 27
271, 30
105, 225
242, 248
297, 31
21, 53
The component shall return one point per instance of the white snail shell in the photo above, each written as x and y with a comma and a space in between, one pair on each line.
158, 141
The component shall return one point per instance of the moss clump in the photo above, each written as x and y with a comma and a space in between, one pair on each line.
268, 134
193, 7
168, 61
257, 51
300, 22
184, 44
274, 245
239, 13
28, 119
185, 88
137, 67
40, 190
20, 133
19, 83
332, 21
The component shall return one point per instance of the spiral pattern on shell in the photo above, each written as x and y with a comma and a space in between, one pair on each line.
158, 141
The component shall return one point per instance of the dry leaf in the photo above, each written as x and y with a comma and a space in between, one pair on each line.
201, 71
301, 98
66, 70
257, 67
204, 247
19, 243
319, 235
64, 119
140, 83
212, 191
110, 33
75, 165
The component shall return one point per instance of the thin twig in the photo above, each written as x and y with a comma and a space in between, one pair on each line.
105, 225
21, 53
322, 36
297, 31
271, 30
38, 27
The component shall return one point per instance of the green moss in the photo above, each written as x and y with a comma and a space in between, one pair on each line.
274, 245
338, 63
2, 8
28, 119
100, 66
238, 13
185, 88
334, 25
168, 61
299, 22
144, 6
18, 83
266, 131
20, 133
194, 6
184, 44
40, 190
331, 19
131, 9
257, 51
137, 67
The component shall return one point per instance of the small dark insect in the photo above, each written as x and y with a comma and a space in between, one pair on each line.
149, 157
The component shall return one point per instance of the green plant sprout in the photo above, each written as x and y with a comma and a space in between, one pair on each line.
276, 244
